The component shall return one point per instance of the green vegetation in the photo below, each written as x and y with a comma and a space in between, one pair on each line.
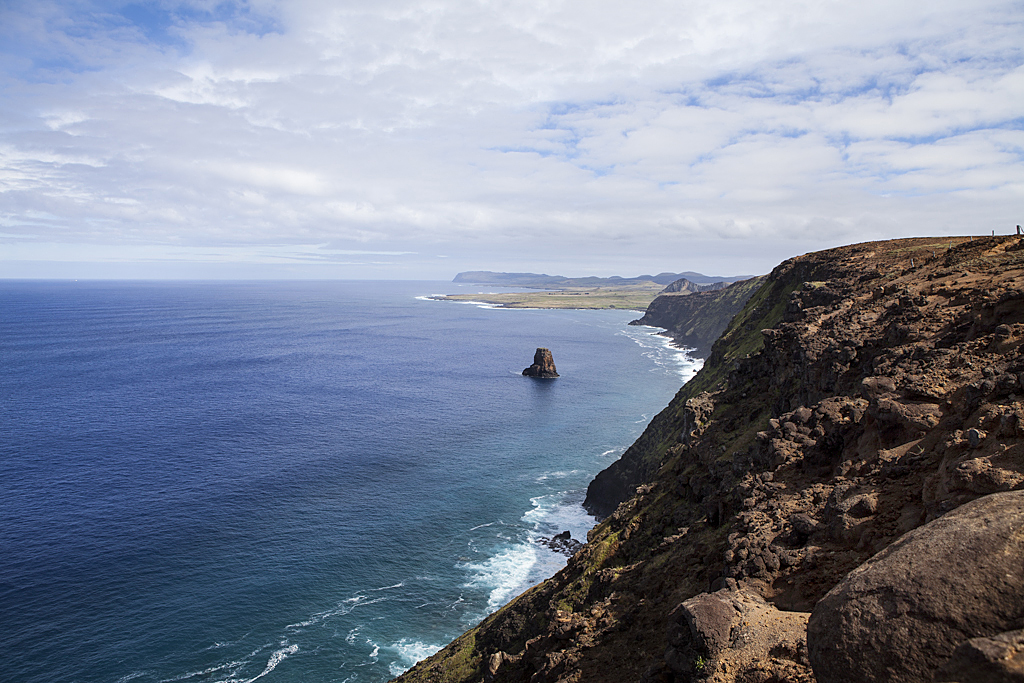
743, 337
634, 297
460, 661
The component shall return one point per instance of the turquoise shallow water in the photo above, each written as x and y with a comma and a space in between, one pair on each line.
289, 481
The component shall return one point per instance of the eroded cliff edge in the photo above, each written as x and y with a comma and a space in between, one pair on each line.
861, 392
695, 319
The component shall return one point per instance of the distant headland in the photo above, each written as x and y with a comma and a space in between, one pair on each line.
630, 293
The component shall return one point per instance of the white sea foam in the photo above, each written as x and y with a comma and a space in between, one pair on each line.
557, 512
504, 575
440, 297
132, 676
557, 475
409, 652
384, 588
276, 658
664, 353
343, 608
211, 670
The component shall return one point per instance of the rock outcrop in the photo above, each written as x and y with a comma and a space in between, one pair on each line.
562, 543
543, 365
860, 393
729, 635
899, 617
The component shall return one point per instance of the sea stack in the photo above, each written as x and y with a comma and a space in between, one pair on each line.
543, 365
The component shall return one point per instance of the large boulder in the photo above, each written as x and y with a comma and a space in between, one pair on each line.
735, 635
900, 615
996, 659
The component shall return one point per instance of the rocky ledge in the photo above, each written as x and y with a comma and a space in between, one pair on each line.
844, 474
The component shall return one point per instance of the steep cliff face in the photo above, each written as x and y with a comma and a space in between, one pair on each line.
684, 286
860, 393
695, 316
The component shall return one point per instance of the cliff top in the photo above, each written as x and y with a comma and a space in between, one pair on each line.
860, 393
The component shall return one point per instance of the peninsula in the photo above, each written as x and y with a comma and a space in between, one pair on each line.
556, 291
864, 408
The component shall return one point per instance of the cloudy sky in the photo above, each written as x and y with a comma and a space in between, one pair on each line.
418, 138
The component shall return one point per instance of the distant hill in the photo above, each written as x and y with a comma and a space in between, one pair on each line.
487, 277
684, 286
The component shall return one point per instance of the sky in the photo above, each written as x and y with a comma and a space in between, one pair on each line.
414, 139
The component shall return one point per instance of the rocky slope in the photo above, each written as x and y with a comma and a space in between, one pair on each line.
861, 393
696, 315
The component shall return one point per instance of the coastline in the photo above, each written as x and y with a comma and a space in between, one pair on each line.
634, 298
379, 431
861, 394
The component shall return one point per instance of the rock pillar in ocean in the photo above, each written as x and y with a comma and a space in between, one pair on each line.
543, 365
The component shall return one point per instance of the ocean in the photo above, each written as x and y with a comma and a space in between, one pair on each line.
290, 481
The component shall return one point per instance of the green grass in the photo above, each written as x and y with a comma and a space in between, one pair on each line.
629, 297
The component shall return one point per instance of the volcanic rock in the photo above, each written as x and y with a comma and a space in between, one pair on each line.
738, 632
562, 543
998, 659
830, 418
543, 365
900, 615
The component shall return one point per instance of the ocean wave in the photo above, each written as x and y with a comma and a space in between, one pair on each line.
409, 652
504, 574
664, 353
132, 676
226, 666
343, 608
397, 585
560, 474
276, 658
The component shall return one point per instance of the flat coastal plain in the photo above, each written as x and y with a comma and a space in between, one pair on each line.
633, 297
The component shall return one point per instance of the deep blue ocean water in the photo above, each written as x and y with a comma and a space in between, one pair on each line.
301, 481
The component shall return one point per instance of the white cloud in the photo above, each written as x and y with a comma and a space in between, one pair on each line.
626, 137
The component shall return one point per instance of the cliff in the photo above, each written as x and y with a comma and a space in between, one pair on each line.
696, 315
860, 393
684, 286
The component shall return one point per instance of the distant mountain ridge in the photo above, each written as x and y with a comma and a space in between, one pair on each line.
540, 280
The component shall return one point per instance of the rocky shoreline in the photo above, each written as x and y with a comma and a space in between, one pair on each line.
861, 412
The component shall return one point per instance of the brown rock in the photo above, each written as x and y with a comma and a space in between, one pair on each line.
998, 659
899, 616
543, 365
735, 635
